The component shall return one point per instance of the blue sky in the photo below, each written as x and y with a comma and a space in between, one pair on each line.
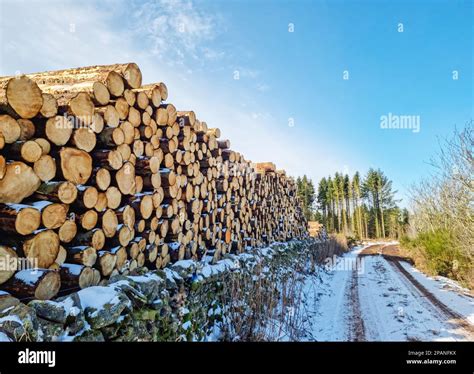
199, 47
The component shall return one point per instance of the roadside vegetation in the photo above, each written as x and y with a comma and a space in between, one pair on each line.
268, 302
440, 237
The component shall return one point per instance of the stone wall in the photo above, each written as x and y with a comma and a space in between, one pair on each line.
184, 302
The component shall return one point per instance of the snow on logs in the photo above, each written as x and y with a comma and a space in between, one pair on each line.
99, 175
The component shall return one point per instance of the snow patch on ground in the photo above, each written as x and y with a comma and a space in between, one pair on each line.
447, 291
4, 337
391, 308
10, 319
326, 301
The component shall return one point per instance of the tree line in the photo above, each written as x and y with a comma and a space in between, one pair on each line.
355, 206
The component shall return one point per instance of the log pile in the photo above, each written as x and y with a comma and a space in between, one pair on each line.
100, 174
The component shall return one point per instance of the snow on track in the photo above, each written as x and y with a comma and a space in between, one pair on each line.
378, 302
328, 305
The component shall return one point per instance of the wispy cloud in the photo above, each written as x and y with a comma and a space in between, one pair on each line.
38, 36
262, 87
176, 30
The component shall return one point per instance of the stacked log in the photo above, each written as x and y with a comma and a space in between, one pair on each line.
100, 174
314, 228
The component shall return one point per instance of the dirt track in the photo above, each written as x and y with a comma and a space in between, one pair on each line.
372, 294
437, 308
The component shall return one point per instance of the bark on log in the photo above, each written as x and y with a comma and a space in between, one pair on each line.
76, 276
40, 284
19, 218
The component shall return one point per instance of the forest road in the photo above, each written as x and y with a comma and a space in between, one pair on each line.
387, 302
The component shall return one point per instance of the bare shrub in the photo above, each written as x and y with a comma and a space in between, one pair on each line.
443, 209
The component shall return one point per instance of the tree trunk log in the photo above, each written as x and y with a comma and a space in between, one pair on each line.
40, 284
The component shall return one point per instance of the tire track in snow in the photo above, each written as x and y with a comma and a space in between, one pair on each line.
357, 326
446, 313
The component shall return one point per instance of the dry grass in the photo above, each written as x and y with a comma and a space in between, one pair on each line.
265, 304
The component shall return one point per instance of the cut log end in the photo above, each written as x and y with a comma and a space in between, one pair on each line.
48, 287
19, 182
8, 258
42, 248
24, 96
50, 106
115, 84
9, 128
76, 165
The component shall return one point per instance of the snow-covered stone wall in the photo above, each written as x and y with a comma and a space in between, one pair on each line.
183, 302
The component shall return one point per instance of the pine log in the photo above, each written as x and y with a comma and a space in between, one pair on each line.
20, 96
19, 218
27, 129
88, 220
84, 138
42, 248
76, 276
97, 90
125, 178
61, 258
109, 222
76, 165
57, 129
120, 256
82, 255
92, 238
9, 128
53, 215
105, 262
19, 182
28, 151
107, 75
45, 168
8, 263
50, 106
67, 231
101, 178
64, 192
40, 284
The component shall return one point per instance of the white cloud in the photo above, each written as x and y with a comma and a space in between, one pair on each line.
36, 36
176, 29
